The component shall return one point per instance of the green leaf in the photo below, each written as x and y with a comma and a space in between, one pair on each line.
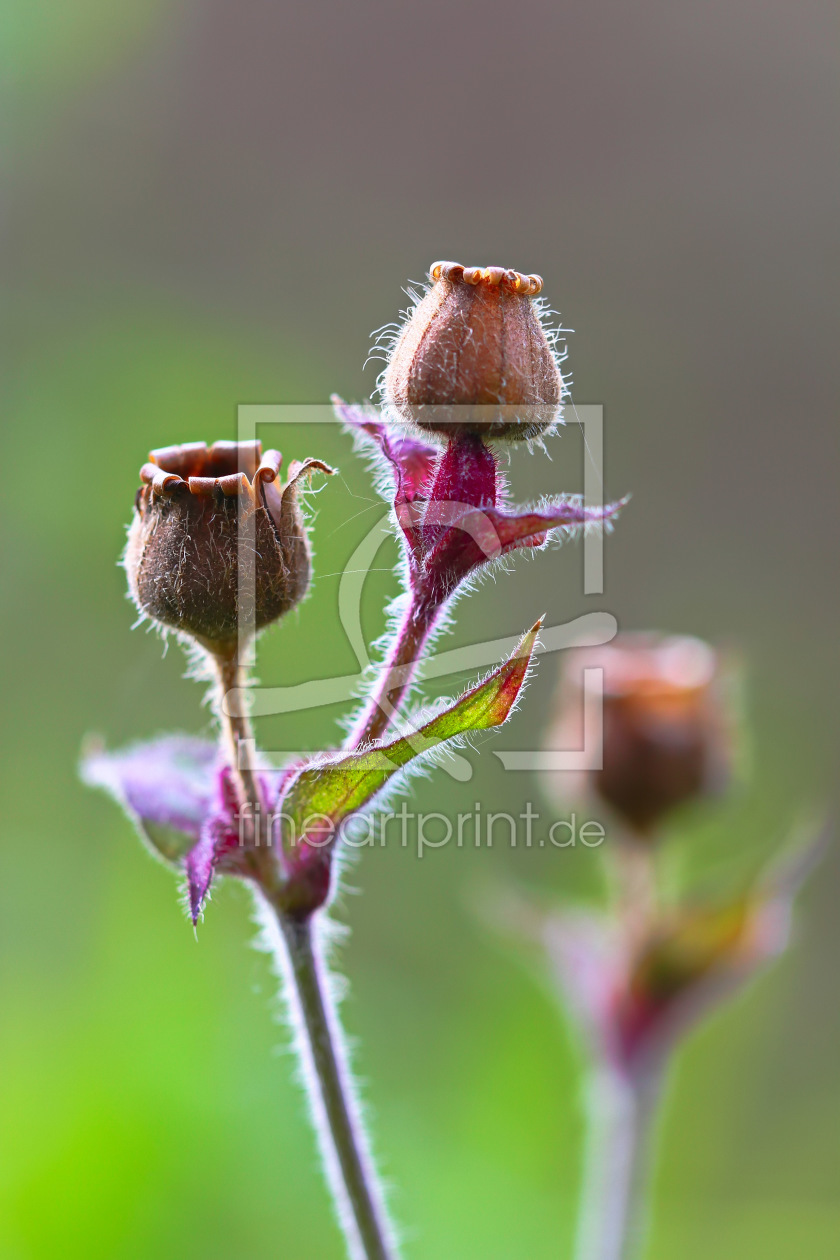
324, 795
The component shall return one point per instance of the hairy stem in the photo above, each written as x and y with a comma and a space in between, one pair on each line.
613, 1211
353, 1182
400, 666
238, 734
349, 1167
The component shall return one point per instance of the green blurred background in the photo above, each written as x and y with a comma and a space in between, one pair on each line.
213, 203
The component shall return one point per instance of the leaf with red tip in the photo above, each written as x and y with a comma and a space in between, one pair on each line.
321, 797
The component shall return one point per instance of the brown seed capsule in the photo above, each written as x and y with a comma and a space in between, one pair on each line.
474, 356
665, 737
217, 548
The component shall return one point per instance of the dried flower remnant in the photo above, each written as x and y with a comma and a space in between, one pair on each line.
665, 736
217, 545
636, 999
474, 357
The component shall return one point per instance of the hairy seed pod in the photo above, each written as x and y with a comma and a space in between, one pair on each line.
666, 729
474, 356
217, 548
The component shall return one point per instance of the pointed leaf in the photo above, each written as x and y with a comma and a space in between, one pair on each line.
322, 796
529, 528
476, 536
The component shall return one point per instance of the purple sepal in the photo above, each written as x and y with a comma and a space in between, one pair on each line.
167, 786
218, 846
183, 803
200, 863
450, 505
412, 463
477, 536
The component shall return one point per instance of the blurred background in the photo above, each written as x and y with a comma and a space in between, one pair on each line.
209, 204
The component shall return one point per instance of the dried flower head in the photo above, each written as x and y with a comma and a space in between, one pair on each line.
665, 739
474, 355
217, 546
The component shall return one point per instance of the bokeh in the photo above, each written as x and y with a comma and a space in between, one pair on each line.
210, 204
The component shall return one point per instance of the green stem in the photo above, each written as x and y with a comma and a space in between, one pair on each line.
353, 1181
613, 1213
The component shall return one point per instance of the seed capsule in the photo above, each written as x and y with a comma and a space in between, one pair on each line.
666, 736
217, 548
474, 356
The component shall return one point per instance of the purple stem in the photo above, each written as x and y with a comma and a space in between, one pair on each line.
397, 672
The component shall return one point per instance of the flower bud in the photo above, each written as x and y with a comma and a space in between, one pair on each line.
473, 355
217, 548
664, 727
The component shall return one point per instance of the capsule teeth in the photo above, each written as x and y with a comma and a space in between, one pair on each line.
446, 271
202, 485
305, 468
243, 457
513, 281
493, 275
167, 483
177, 458
269, 467
160, 481
201, 469
234, 484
